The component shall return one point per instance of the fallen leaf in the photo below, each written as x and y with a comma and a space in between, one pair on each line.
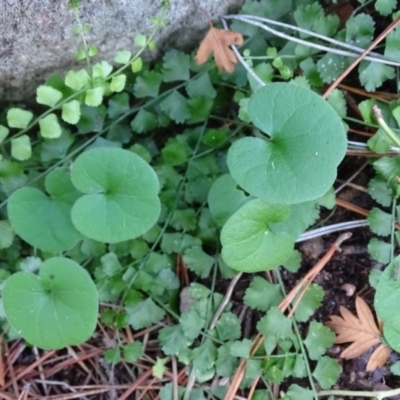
362, 331
217, 41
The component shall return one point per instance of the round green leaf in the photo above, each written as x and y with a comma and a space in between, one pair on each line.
299, 160
42, 221
249, 244
121, 201
55, 309
18, 118
387, 297
71, 112
225, 198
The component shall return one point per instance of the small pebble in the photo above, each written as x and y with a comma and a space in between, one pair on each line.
349, 289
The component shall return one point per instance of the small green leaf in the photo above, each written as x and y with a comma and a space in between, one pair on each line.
71, 112
201, 87
115, 207
21, 148
101, 71
228, 327
327, 372
319, 339
184, 219
175, 66
118, 83
385, 7
144, 314
137, 65
373, 74
113, 355
379, 142
388, 295
118, 105
50, 127
123, 57
132, 352
330, 66
18, 118
338, 102
226, 363
192, 323
274, 323
45, 222
261, 294
379, 250
47, 95
172, 340
92, 119
198, 261
360, 30
159, 368
286, 112
309, 302
94, 97
249, 244
140, 40
147, 84
380, 222
392, 48
77, 79
55, 309
204, 356
144, 121
241, 348
176, 107
297, 392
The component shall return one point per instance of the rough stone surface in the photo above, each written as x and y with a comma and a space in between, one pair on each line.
36, 37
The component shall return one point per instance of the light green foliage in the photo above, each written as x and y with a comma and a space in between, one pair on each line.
71, 112
274, 323
319, 338
47, 95
261, 294
309, 302
123, 57
327, 372
260, 166
76, 80
55, 309
388, 295
385, 7
130, 198
21, 148
50, 127
18, 118
380, 222
379, 250
144, 314
43, 221
372, 75
198, 261
249, 244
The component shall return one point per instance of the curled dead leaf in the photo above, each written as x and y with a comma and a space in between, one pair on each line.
217, 41
362, 332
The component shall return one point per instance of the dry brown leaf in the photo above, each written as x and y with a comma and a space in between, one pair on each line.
217, 41
362, 331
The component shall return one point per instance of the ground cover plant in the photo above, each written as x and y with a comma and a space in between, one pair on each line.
135, 200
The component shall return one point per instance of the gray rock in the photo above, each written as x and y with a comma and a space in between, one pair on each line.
36, 37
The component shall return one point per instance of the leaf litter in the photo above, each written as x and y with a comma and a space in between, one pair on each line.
362, 332
217, 41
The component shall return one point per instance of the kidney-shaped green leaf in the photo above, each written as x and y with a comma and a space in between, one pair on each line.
225, 198
298, 161
121, 200
55, 309
387, 296
42, 221
249, 244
